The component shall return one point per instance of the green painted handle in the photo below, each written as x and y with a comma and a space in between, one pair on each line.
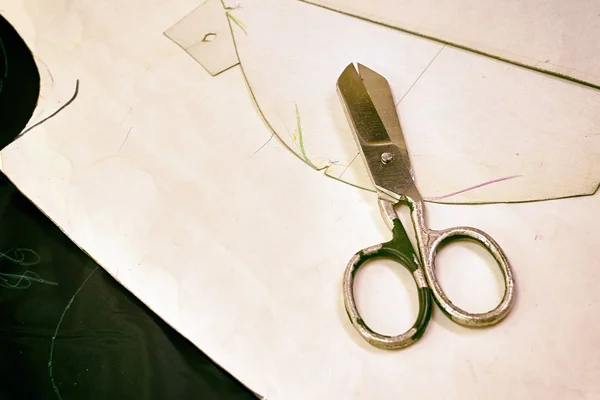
398, 249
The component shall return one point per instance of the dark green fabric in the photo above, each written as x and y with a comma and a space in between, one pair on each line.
108, 345
19, 83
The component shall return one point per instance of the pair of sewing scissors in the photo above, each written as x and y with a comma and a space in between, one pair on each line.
369, 105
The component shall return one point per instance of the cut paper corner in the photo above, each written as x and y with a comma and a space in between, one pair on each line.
206, 36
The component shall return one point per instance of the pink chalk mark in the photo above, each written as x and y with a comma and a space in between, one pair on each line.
474, 187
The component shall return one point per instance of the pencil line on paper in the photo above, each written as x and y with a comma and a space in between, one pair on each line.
473, 187
124, 140
45, 67
348, 166
264, 144
420, 75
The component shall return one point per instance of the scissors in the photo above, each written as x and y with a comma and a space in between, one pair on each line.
371, 112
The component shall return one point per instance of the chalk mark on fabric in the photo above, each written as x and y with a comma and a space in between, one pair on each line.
50, 360
55, 112
23, 280
473, 187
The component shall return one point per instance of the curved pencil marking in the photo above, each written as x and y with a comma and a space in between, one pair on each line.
473, 187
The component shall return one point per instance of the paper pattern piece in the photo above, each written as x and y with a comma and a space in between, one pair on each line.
559, 37
205, 35
154, 171
479, 130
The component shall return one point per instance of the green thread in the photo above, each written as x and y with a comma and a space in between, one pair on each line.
237, 21
301, 140
252, 95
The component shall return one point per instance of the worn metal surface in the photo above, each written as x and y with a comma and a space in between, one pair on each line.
371, 112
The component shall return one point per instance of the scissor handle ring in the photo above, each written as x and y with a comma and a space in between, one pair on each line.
456, 314
425, 298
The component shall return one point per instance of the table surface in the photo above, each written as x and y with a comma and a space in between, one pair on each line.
133, 171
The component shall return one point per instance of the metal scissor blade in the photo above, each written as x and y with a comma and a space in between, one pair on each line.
361, 111
381, 95
366, 101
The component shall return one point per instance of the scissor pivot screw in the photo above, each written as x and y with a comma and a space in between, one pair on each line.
386, 158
